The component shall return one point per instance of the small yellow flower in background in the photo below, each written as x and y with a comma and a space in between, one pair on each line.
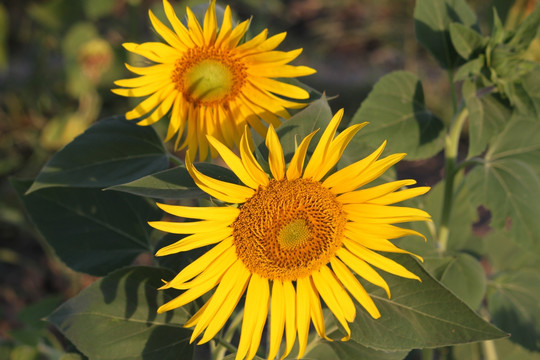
293, 239
213, 83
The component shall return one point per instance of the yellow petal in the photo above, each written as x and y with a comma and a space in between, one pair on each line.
358, 212
385, 231
179, 28
379, 261
401, 195
260, 98
296, 166
224, 301
149, 104
261, 44
335, 150
255, 311
303, 312
339, 306
166, 33
319, 155
374, 192
176, 123
360, 267
234, 163
280, 88
189, 227
272, 58
153, 70
220, 189
249, 161
144, 80
141, 91
378, 168
199, 265
237, 33
195, 318
189, 295
354, 287
374, 243
277, 71
342, 181
195, 30
277, 317
216, 269
290, 316
210, 23
203, 213
316, 312
275, 154
154, 51
161, 111
226, 27
195, 241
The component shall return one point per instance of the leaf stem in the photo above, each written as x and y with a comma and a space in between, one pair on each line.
451, 152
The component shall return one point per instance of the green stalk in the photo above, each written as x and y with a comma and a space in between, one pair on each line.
451, 152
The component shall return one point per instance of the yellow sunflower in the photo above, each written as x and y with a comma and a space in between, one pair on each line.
293, 238
214, 84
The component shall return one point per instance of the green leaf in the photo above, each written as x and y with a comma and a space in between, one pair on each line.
175, 183
514, 305
432, 19
504, 254
462, 274
470, 68
92, 231
466, 41
508, 182
349, 350
113, 151
504, 349
419, 315
527, 30
396, 111
116, 318
487, 117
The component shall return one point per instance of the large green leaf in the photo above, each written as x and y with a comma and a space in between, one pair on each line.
462, 274
419, 315
514, 305
504, 254
116, 318
508, 182
113, 151
397, 112
432, 19
175, 183
466, 41
92, 231
487, 117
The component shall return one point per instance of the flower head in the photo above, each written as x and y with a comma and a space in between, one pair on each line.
294, 239
213, 83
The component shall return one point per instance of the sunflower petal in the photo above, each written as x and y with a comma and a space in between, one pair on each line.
210, 23
195, 241
170, 37
401, 195
249, 161
277, 317
355, 288
379, 261
178, 27
303, 312
276, 159
294, 171
290, 317
374, 192
220, 189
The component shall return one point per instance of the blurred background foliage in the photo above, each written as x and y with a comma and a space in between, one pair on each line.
58, 61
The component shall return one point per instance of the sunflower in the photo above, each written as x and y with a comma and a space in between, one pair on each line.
293, 239
214, 84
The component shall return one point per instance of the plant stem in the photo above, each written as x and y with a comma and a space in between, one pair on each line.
489, 351
451, 152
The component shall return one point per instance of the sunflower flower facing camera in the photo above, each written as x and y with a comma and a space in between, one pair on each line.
210, 81
295, 236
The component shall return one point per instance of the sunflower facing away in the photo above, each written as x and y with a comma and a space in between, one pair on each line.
213, 83
293, 238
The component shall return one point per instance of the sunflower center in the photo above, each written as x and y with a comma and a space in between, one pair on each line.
289, 229
207, 76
